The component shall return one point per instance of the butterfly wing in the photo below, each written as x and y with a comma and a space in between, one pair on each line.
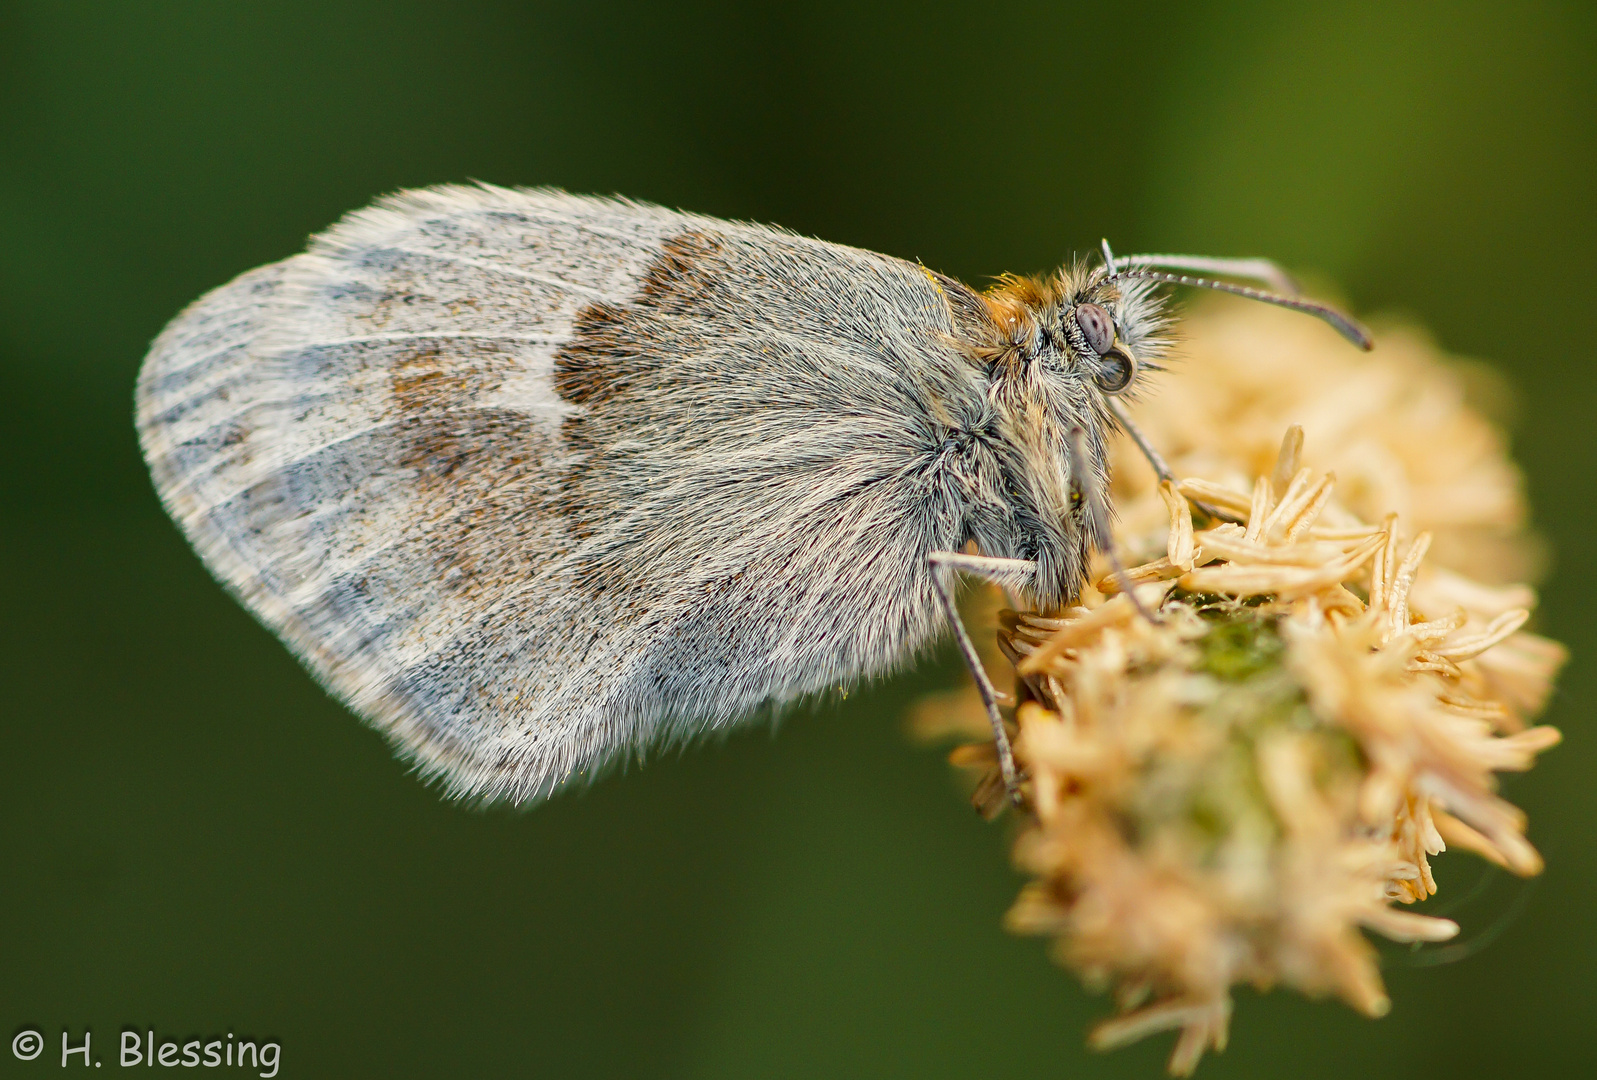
531, 480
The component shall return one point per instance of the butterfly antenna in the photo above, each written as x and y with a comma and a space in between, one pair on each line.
1347, 327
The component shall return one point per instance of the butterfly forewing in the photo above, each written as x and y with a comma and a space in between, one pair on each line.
532, 480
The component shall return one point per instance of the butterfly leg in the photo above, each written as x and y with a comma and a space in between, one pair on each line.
1007, 572
1160, 466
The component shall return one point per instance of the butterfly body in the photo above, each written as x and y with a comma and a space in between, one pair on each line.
534, 481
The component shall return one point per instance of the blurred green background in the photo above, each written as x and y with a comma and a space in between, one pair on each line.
196, 839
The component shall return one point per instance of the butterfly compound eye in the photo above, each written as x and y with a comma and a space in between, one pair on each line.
1096, 326
1115, 371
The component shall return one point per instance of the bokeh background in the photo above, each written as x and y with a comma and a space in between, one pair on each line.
194, 838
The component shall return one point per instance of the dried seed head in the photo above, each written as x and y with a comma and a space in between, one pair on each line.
1237, 792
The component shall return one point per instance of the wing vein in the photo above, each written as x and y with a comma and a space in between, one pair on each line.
438, 335
550, 280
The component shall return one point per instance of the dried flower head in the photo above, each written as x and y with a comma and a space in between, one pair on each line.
1235, 791
1402, 427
